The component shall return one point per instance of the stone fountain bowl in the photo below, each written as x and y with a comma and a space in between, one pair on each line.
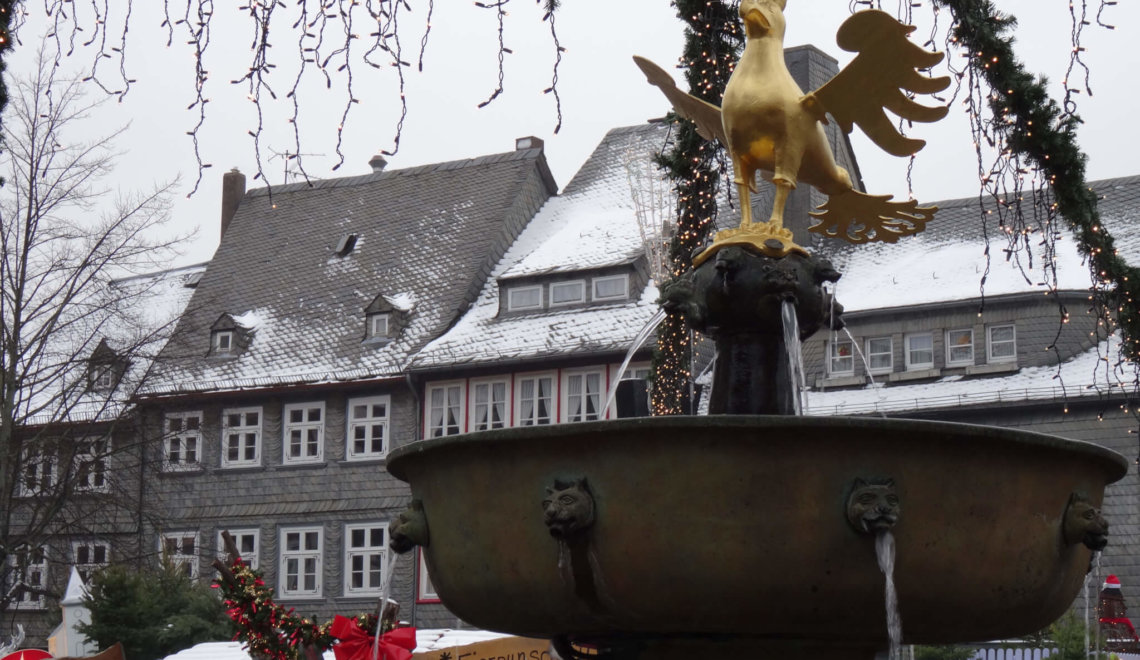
736, 527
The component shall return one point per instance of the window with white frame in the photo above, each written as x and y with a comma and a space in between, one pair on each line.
368, 427
241, 437
365, 557
39, 465
304, 432
524, 297
567, 293
920, 351
583, 396
880, 355
960, 347
1001, 343
378, 325
180, 549
444, 410
840, 357
182, 441
611, 287
301, 554
248, 543
535, 400
90, 556
102, 377
223, 341
91, 464
489, 405
425, 590
28, 568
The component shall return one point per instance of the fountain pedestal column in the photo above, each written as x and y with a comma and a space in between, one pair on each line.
736, 298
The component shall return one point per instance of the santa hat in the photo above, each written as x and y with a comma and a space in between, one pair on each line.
1112, 582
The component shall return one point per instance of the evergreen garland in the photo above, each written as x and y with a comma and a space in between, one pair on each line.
6, 9
1034, 126
268, 629
713, 40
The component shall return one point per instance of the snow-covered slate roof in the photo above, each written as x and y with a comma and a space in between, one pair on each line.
591, 224
137, 317
426, 238
1087, 374
947, 261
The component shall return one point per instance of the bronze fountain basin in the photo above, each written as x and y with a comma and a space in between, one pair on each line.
736, 528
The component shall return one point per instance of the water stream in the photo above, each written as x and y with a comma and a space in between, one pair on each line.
885, 552
795, 354
862, 356
385, 594
638, 340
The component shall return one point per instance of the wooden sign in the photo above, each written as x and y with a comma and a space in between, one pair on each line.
507, 648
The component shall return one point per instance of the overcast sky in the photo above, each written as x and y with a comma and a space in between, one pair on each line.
600, 89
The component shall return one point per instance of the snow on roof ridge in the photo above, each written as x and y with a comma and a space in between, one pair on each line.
157, 274
249, 319
404, 302
362, 179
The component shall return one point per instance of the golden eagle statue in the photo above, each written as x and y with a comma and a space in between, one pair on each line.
769, 125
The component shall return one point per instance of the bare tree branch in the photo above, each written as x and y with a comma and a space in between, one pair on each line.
76, 336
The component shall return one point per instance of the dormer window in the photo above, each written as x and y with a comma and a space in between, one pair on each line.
223, 341
386, 317
104, 368
378, 326
524, 298
231, 336
613, 287
567, 293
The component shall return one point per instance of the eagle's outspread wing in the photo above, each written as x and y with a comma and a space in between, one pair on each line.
886, 64
702, 113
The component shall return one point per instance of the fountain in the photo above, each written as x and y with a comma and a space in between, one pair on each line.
752, 531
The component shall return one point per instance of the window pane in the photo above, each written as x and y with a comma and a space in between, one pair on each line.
1002, 333
525, 298
606, 288
567, 292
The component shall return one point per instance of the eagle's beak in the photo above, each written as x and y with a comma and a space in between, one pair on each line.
752, 14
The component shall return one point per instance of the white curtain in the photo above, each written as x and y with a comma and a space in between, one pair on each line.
574, 398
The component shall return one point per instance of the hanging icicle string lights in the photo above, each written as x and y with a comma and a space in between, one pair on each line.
1037, 133
329, 38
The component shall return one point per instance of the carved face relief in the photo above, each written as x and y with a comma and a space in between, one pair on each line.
1084, 523
873, 505
568, 509
409, 529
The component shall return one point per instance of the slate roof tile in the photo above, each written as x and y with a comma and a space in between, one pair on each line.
423, 232
592, 224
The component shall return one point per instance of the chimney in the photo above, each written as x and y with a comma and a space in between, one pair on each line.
378, 163
528, 142
233, 189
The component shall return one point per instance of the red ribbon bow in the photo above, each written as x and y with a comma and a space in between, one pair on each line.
356, 644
